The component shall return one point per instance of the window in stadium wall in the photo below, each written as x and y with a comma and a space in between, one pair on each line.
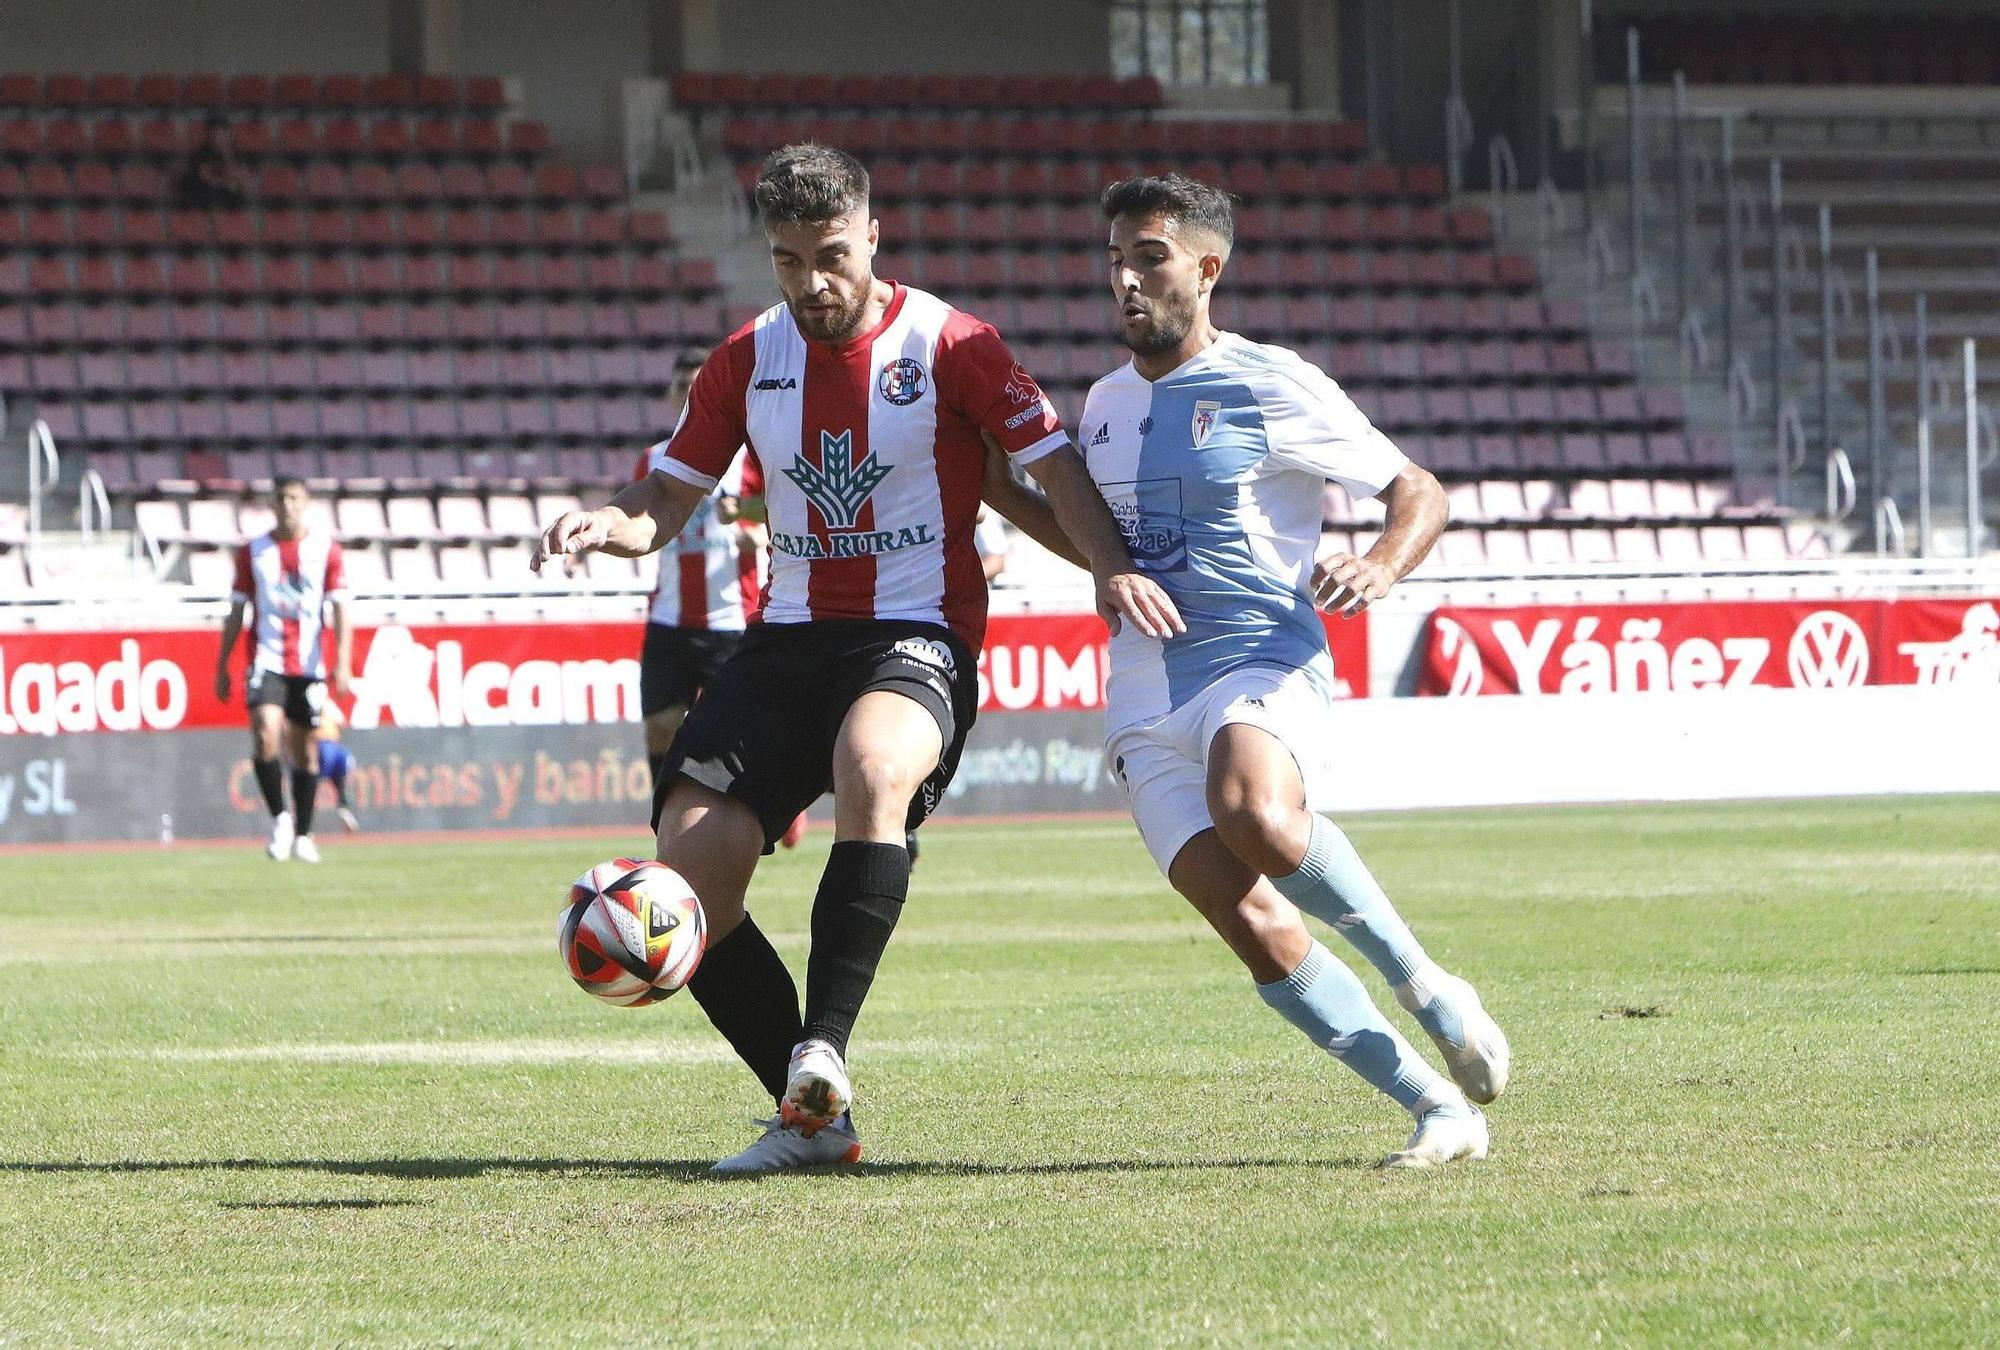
1191, 41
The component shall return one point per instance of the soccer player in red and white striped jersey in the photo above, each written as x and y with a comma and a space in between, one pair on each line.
291, 581
870, 405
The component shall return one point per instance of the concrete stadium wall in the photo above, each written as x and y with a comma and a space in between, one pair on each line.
230, 36
572, 60
857, 36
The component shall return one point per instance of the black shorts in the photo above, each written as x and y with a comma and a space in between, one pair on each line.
300, 696
763, 731
675, 664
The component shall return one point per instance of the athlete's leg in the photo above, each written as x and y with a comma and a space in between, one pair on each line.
887, 746
304, 755
1257, 799
267, 724
1300, 979
660, 728
714, 841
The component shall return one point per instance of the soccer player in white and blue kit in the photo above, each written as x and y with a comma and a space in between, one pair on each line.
1213, 452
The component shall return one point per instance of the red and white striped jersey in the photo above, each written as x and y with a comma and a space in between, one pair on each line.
712, 573
288, 584
872, 456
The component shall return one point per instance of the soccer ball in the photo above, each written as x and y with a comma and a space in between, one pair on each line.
632, 932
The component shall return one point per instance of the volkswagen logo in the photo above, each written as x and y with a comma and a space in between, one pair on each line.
1828, 651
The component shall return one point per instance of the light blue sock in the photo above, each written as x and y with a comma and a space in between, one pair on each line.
1324, 1000
1336, 887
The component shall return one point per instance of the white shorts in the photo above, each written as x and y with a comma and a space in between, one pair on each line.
1164, 765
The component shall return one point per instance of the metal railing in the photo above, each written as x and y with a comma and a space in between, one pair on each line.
1694, 246
93, 505
44, 468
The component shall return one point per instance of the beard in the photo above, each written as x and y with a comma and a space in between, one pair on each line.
835, 325
1167, 323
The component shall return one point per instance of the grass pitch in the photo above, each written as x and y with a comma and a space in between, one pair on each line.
1754, 1100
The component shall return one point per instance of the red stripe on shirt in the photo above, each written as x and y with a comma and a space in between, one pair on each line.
694, 585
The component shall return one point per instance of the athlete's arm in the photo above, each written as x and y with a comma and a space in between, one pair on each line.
343, 649
641, 518
1346, 585
232, 628
1122, 589
1024, 508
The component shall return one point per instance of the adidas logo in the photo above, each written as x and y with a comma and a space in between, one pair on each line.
1103, 436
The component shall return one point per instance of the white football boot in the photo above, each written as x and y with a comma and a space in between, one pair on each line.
817, 1093
304, 849
1444, 1134
347, 821
280, 846
1478, 1056
785, 1148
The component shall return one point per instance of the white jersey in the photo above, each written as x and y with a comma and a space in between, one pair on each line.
1215, 472
289, 583
712, 571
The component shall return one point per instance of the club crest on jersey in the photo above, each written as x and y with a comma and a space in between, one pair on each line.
1021, 386
839, 484
901, 382
1206, 413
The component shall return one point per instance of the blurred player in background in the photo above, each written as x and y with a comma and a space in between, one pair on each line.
990, 538
294, 583
1213, 452
709, 579
866, 402
336, 762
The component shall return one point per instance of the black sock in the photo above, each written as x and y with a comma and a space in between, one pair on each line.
340, 792
860, 896
743, 986
270, 782
658, 763
305, 795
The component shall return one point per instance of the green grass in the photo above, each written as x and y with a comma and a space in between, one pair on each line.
240, 1104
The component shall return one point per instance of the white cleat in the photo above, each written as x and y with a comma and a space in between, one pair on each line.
785, 1148
1444, 1134
1478, 1056
304, 849
817, 1092
280, 846
347, 821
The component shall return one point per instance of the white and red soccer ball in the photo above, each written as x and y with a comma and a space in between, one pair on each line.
632, 932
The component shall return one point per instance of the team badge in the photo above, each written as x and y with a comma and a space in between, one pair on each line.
1206, 413
901, 381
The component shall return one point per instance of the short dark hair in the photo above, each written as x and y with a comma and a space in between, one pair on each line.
289, 480
1190, 204
689, 361
809, 183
